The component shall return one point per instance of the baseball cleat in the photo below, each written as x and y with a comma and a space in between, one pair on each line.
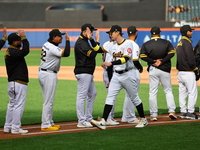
51, 128
21, 131
57, 126
143, 122
112, 122
84, 125
153, 119
183, 115
7, 131
172, 115
99, 124
192, 116
134, 121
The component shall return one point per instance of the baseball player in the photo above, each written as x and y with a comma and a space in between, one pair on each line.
123, 77
49, 67
107, 75
157, 53
187, 69
84, 68
17, 72
128, 109
3, 40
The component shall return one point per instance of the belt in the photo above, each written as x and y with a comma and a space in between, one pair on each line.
48, 70
120, 72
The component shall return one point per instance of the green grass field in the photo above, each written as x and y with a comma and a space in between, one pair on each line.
182, 136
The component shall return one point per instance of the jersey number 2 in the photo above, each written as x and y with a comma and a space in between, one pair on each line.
43, 54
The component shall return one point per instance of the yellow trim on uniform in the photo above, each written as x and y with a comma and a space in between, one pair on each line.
123, 60
171, 52
62, 54
195, 69
89, 52
11, 46
157, 37
186, 38
81, 37
135, 59
179, 43
22, 82
23, 37
143, 55
96, 48
4, 38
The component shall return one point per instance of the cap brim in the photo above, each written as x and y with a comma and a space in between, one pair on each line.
94, 29
62, 33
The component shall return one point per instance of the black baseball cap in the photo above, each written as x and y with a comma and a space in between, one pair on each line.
115, 28
185, 28
83, 28
155, 30
55, 32
13, 37
131, 30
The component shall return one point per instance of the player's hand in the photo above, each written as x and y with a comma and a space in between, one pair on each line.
4, 32
88, 33
67, 36
106, 64
21, 33
107, 86
97, 36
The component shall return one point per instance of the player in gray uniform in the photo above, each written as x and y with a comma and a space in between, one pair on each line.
157, 53
123, 77
49, 67
128, 108
17, 71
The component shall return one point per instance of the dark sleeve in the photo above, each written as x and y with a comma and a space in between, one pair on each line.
144, 56
170, 53
138, 65
118, 62
25, 48
67, 49
110, 72
2, 42
96, 47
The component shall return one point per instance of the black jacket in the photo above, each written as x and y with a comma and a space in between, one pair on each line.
158, 48
15, 63
2, 42
185, 55
84, 56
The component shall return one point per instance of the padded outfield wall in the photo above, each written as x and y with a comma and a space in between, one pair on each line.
37, 37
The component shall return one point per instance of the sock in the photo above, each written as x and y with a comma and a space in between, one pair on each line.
140, 110
107, 110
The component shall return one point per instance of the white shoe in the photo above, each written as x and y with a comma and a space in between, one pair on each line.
99, 124
21, 131
153, 118
112, 122
143, 122
134, 121
7, 131
84, 124
172, 115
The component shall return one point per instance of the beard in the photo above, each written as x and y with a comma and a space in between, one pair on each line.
18, 45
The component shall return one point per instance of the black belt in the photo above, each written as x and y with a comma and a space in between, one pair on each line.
48, 70
120, 72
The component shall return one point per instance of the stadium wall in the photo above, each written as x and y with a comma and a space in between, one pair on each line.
37, 37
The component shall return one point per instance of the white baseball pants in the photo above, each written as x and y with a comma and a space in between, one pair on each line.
17, 95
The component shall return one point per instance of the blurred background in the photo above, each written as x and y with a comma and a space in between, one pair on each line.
101, 13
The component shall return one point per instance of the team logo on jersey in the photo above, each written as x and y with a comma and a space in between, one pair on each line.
129, 50
119, 55
59, 49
